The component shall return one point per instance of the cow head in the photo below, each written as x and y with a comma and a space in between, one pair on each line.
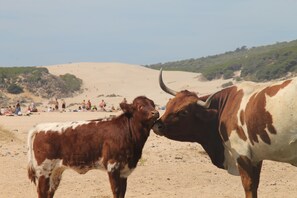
143, 109
187, 118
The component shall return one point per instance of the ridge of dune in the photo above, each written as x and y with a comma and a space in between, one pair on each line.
130, 81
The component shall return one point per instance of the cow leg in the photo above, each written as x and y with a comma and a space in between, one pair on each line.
250, 176
55, 179
43, 187
123, 185
118, 184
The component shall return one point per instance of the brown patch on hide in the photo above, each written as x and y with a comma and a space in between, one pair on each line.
259, 121
229, 119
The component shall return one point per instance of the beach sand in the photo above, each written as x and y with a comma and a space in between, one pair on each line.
167, 168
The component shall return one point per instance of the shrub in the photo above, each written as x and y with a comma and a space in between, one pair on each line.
14, 89
228, 74
72, 83
228, 84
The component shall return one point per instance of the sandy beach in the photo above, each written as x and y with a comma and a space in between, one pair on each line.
167, 168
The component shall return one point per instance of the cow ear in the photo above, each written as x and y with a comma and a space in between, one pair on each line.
207, 114
127, 108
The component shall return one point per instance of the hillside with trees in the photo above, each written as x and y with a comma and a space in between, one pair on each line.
37, 81
256, 64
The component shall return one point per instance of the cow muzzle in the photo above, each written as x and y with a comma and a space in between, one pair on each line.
158, 128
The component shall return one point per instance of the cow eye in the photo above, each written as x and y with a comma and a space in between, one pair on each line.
183, 113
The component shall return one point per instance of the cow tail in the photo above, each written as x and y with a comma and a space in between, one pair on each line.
31, 170
31, 173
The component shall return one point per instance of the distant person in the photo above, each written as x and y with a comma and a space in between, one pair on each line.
56, 105
2, 111
83, 105
124, 100
89, 105
13, 109
94, 108
17, 108
113, 108
33, 107
63, 105
8, 111
102, 105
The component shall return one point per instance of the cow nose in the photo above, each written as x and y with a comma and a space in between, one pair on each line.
158, 128
155, 114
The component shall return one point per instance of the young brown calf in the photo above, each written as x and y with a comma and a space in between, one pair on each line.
113, 145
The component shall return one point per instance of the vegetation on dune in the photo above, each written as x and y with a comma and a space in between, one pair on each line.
38, 81
14, 89
72, 83
256, 64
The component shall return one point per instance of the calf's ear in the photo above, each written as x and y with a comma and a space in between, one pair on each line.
127, 108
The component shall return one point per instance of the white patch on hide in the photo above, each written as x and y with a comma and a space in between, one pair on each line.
234, 148
282, 107
230, 163
111, 167
126, 171
56, 177
59, 127
46, 167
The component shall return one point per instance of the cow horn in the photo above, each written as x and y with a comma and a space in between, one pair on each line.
164, 87
205, 104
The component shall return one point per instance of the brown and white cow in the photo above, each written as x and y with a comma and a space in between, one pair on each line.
238, 127
113, 145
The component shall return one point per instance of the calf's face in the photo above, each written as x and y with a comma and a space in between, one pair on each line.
143, 109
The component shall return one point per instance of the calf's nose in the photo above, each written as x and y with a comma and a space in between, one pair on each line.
155, 114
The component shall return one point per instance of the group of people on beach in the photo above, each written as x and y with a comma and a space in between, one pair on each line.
84, 106
16, 109
56, 106
88, 106
11, 110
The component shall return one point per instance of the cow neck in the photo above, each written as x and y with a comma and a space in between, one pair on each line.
214, 143
137, 132
219, 103
214, 146
222, 98
138, 138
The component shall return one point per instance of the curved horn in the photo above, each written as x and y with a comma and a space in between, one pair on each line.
206, 104
164, 87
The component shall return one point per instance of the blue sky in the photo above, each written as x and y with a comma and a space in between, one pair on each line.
46, 32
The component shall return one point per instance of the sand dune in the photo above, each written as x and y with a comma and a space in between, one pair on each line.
167, 169
130, 81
